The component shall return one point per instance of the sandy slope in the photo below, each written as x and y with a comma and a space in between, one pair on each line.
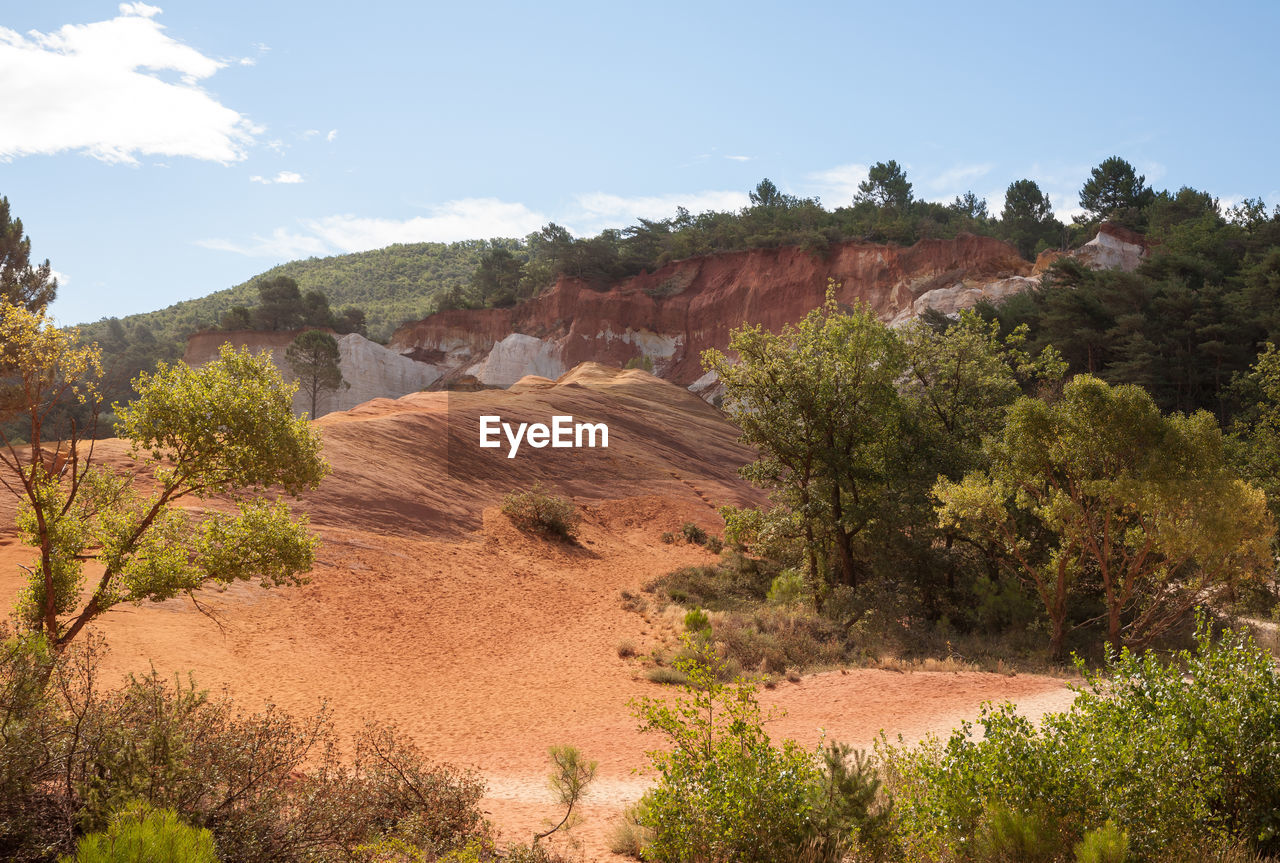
427, 609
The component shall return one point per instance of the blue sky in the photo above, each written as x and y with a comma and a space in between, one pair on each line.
161, 152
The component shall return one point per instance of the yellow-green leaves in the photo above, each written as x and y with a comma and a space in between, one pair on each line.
226, 427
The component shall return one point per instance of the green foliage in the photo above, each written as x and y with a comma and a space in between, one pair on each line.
537, 511
788, 588
1115, 192
725, 793
271, 788
731, 583
696, 621
1099, 492
1027, 219
224, 429
819, 402
693, 534
141, 834
1171, 754
570, 778
1107, 844
21, 284
886, 186
313, 356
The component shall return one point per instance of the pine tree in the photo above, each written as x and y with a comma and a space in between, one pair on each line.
21, 284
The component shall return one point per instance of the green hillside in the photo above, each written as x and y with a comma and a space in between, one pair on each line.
391, 285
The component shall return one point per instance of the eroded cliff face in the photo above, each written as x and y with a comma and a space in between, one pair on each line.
370, 370
668, 317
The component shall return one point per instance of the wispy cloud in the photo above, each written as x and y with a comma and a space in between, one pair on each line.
599, 209
333, 133
282, 245
466, 219
739, 158
96, 88
286, 177
954, 181
837, 186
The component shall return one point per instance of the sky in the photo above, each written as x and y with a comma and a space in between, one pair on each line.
156, 153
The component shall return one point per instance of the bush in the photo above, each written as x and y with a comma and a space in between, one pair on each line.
696, 621
693, 534
269, 787
141, 834
725, 793
1171, 754
733, 582
536, 511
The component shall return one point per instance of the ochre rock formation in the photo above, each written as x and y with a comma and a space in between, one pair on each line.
671, 315
666, 319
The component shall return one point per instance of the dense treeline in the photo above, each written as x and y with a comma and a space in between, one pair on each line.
1190, 319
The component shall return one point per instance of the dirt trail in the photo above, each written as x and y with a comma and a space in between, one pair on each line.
487, 645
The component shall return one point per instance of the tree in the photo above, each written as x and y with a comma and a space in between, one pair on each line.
1027, 218
279, 305
818, 401
970, 206
225, 429
32, 287
1100, 493
313, 356
1115, 191
886, 186
766, 194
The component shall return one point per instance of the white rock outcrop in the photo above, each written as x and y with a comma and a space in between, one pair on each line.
516, 356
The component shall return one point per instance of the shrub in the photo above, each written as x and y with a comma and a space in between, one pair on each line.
668, 676
268, 787
141, 834
1107, 844
667, 537
696, 621
626, 649
1172, 754
714, 544
733, 582
788, 589
724, 792
693, 534
536, 511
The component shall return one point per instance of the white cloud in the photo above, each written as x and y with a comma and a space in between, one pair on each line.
739, 158
466, 219
282, 245
142, 10
287, 177
955, 181
599, 209
94, 88
333, 133
63, 278
837, 186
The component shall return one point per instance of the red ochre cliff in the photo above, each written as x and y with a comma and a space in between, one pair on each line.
667, 318
671, 315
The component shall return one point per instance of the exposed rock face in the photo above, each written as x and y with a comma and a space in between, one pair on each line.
1114, 248
671, 315
667, 318
370, 370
